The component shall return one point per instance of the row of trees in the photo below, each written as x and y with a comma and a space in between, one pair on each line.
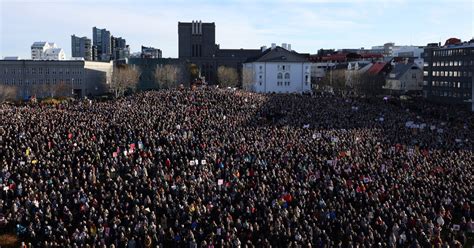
363, 84
125, 78
228, 77
10, 92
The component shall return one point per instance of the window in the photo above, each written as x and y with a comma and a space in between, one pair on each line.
425, 73
306, 79
287, 75
280, 75
283, 67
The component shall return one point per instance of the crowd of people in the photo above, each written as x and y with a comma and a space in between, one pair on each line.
223, 168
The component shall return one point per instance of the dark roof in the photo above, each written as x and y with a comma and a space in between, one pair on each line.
400, 69
278, 54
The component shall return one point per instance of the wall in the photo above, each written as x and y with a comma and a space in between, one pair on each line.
269, 72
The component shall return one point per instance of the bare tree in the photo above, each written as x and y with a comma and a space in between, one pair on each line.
228, 77
334, 80
167, 76
8, 92
247, 78
60, 89
369, 84
123, 79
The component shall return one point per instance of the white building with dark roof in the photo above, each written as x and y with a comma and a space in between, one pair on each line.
279, 70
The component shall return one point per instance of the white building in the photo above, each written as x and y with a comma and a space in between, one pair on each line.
280, 70
46, 51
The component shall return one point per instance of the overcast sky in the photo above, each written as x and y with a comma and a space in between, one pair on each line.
307, 25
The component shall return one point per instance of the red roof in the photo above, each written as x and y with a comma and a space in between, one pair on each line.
452, 41
376, 68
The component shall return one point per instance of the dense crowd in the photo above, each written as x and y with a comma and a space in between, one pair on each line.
219, 168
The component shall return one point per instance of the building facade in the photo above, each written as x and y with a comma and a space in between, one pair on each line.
46, 51
46, 78
197, 45
81, 47
448, 72
102, 41
120, 49
279, 70
150, 52
404, 78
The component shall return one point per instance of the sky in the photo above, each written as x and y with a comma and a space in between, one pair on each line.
308, 25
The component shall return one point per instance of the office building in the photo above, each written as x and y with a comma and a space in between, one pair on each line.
448, 72
150, 52
197, 45
81, 47
102, 41
50, 78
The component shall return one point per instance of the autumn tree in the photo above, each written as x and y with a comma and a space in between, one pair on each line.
124, 78
167, 76
8, 92
228, 77
247, 78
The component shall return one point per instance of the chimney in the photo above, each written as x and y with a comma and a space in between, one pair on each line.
273, 46
289, 48
200, 27
263, 48
284, 46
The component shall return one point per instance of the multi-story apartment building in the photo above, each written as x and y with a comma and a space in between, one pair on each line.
46, 51
81, 47
448, 72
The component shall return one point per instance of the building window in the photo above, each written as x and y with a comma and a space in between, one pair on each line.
287, 75
280, 75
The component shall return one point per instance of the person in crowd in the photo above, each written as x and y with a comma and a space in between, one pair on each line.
222, 168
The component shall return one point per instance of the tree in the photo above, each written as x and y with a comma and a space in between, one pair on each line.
228, 77
247, 78
124, 78
334, 80
167, 76
369, 84
60, 89
8, 92
193, 70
